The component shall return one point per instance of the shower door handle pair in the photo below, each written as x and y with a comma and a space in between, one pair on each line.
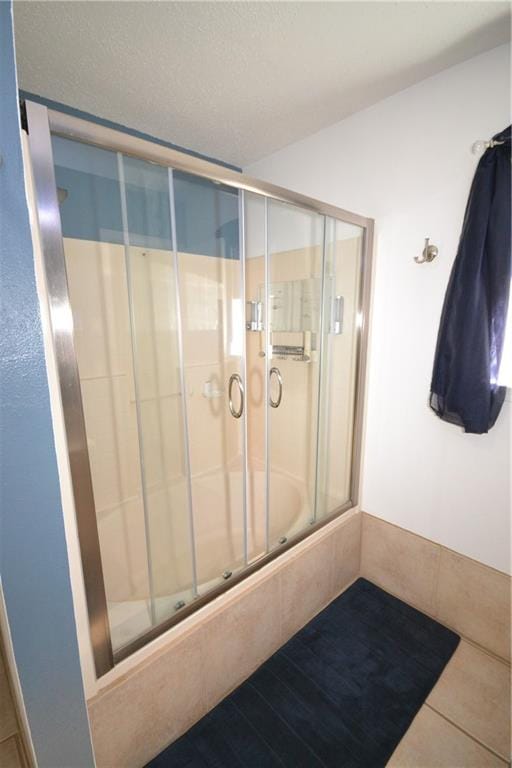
235, 377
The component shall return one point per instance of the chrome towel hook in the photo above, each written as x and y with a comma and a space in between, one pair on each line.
429, 253
479, 147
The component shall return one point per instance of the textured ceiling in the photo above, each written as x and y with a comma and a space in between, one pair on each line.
239, 80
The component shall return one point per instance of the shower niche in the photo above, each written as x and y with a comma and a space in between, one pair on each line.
211, 375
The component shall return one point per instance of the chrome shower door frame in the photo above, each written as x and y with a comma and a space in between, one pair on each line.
42, 123
48, 215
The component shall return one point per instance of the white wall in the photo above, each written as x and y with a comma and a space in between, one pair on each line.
406, 161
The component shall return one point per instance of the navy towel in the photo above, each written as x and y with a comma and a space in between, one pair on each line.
464, 389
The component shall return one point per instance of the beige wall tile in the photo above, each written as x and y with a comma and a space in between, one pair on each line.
215, 437
306, 585
475, 600
139, 715
123, 416
110, 421
218, 523
474, 693
124, 577
433, 742
207, 288
400, 562
9, 754
236, 641
347, 552
153, 293
172, 437
98, 293
169, 539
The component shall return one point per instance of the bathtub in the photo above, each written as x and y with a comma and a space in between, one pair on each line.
219, 518
128, 541
217, 500
219, 542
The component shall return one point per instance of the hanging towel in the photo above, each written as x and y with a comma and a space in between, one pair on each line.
464, 389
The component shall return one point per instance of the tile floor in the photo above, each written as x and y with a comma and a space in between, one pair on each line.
465, 722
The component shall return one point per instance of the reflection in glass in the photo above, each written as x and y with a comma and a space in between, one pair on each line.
211, 290
173, 311
152, 297
295, 257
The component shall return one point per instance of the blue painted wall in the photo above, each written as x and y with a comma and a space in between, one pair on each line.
206, 213
33, 556
60, 107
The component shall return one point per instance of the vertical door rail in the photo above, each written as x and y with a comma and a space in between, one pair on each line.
183, 384
133, 338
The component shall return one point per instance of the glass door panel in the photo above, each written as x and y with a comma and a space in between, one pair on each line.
115, 219
157, 385
341, 307
212, 297
293, 307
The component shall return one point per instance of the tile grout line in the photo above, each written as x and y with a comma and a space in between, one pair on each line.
458, 632
491, 654
474, 738
435, 590
438, 544
9, 735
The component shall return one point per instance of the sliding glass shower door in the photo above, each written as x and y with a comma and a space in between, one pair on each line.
155, 286
152, 275
210, 271
303, 280
211, 400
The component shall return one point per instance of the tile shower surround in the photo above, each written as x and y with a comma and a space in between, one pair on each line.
135, 717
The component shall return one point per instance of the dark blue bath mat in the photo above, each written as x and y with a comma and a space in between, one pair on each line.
340, 694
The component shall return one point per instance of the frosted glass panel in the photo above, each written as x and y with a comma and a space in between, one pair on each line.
295, 251
211, 293
152, 290
344, 243
90, 206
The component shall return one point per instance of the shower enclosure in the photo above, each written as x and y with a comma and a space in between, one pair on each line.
209, 333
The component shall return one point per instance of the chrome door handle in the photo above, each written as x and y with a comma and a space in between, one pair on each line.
277, 373
236, 413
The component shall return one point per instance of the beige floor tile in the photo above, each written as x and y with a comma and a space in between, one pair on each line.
475, 600
306, 586
400, 562
474, 693
9, 754
240, 638
433, 742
